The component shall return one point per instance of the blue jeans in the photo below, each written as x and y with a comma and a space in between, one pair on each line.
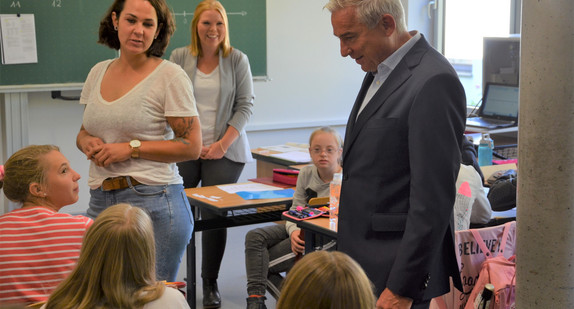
170, 213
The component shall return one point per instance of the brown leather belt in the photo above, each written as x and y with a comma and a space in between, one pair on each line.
118, 183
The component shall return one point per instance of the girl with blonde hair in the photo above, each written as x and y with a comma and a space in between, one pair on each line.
116, 268
39, 246
271, 250
327, 280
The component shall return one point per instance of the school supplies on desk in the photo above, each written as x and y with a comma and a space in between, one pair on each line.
303, 213
254, 195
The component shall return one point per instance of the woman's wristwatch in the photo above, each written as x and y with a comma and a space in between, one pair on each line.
135, 145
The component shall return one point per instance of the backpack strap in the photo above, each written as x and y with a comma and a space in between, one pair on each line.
482, 245
505, 236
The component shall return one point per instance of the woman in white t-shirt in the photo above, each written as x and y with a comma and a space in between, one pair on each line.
140, 119
116, 267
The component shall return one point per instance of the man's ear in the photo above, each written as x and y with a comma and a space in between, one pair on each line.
36, 190
388, 24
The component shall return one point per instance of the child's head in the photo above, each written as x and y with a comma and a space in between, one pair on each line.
326, 279
116, 264
326, 148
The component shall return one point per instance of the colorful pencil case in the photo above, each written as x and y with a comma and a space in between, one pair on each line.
285, 176
303, 213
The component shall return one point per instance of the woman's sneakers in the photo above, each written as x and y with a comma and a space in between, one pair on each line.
256, 302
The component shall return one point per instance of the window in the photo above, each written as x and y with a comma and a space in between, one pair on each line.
463, 28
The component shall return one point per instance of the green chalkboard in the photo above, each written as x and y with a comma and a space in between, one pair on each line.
67, 34
247, 28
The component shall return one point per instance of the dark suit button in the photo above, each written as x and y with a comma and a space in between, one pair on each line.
426, 281
345, 176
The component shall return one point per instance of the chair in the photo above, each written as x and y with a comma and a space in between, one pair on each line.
316, 201
36, 305
470, 259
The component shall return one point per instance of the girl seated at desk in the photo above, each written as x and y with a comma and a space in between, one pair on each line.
271, 250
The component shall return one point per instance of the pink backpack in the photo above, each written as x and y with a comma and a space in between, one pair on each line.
500, 272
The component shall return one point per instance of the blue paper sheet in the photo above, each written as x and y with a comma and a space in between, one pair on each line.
255, 195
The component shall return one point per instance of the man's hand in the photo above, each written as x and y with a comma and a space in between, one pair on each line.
390, 300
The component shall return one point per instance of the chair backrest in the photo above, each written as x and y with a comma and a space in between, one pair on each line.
319, 201
470, 258
36, 305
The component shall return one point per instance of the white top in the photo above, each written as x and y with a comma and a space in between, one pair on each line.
471, 203
171, 298
206, 89
139, 114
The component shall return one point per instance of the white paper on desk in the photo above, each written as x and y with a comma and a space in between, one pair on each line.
282, 148
18, 39
294, 156
234, 188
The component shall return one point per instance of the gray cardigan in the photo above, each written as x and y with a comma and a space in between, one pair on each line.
236, 97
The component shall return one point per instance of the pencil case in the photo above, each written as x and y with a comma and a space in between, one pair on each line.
285, 176
303, 213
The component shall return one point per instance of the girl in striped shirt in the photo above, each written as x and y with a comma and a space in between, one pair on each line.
39, 247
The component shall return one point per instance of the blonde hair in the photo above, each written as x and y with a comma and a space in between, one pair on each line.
116, 267
369, 12
205, 5
22, 169
327, 280
330, 130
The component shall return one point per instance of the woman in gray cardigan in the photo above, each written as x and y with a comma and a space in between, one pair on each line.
223, 89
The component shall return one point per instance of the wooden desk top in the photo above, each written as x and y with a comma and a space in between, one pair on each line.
318, 225
213, 198
265, 154
491, 131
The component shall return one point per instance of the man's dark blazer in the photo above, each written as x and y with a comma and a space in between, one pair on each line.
400, 162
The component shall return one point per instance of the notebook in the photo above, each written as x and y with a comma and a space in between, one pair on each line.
499, 107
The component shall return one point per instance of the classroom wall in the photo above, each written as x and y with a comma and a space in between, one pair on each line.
310, 85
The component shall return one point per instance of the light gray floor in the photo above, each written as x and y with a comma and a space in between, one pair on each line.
232, 280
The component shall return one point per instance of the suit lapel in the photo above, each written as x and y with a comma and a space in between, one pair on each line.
358, 101
398, 76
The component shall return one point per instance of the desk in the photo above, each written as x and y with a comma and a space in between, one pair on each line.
492, 131
266, 162
317, 231
234, 210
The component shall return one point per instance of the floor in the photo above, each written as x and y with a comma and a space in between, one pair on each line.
232, 281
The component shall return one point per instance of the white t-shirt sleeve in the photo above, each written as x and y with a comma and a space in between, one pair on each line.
179, 98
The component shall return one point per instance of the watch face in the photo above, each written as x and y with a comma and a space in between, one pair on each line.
135, 143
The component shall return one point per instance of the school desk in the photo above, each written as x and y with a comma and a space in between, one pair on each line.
267, 158
234, 211
317, 231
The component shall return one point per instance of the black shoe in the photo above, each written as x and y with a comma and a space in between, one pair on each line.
256, 302
211, 297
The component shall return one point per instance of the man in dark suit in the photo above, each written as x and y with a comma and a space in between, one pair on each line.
401, 155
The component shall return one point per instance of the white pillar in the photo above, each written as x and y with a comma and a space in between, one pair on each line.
545, 212
13, 133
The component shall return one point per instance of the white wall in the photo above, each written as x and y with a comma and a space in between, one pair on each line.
311, 85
